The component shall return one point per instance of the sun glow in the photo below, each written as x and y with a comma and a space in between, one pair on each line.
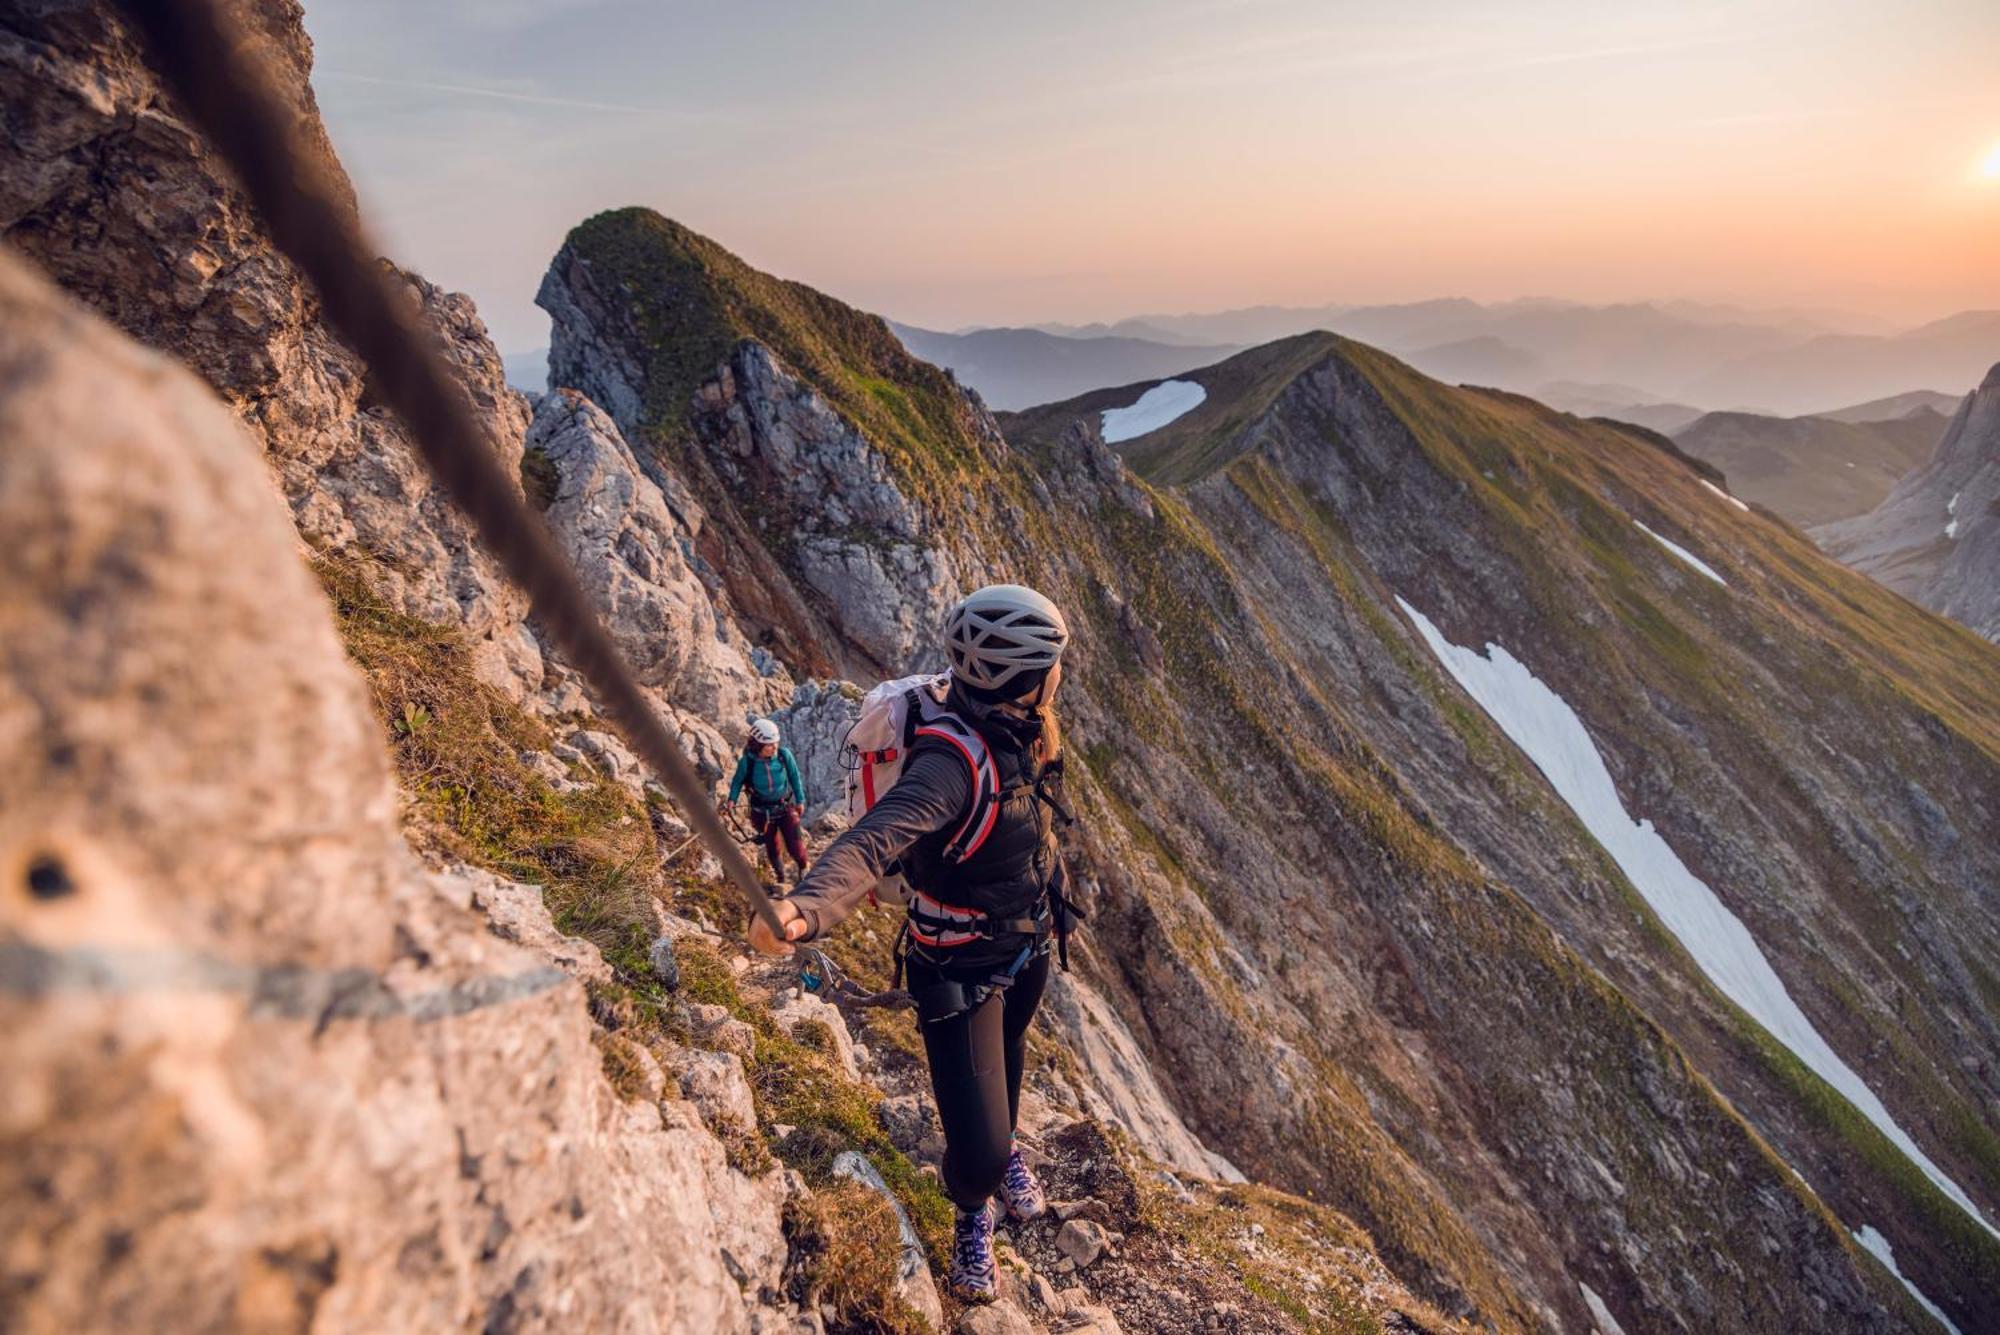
1990, 168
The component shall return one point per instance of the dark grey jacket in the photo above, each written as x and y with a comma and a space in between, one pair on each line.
932, 793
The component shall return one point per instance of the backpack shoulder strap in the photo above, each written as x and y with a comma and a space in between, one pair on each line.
962, 737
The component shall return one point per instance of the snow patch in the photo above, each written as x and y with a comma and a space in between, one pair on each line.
1606, 1323
1951, 515
1543, 725
1154, 409
1723, 494
1878, 1246
1687, 557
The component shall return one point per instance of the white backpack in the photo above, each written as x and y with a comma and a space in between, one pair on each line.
893, 715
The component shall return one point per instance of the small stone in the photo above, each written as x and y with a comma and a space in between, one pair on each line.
1082, 1241
997, 1318
1045, 1295
1087, 1208
907, 1120
715, 1083
666, 968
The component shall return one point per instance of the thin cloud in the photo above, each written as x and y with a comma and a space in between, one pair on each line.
504, 95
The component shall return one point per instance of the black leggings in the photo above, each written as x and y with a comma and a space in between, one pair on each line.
976, 1061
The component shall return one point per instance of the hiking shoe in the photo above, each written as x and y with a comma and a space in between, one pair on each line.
972, 1275
1024, 1196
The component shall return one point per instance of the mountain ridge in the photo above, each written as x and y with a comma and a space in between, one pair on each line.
1933, 537
1268, 399
1014, 369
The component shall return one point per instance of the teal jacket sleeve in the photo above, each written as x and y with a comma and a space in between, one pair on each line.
742, 773
792, 776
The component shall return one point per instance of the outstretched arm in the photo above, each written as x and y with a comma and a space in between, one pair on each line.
933, 792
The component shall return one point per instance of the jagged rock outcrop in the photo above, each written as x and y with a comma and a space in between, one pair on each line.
859, 543
264, 1069
833, 552
814, 725
1936, 539
632, 549
106, 189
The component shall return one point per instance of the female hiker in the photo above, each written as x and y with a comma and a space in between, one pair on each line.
968, 822
777, 794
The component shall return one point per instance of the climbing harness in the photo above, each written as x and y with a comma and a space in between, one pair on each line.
204, 56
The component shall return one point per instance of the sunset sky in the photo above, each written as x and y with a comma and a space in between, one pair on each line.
1079, 161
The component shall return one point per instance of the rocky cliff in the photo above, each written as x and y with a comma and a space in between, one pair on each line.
1936, 538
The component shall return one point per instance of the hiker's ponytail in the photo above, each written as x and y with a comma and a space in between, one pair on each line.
1048, 745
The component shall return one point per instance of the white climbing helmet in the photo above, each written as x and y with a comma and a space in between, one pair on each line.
1003, 639
764, 732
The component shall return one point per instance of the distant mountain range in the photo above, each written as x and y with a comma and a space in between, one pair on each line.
528, 371
1018, 368
1659, 364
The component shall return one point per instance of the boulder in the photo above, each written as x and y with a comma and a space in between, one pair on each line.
1083, 1241
632, 551
996, 1318
714, 1082
913, 1274
807, 1009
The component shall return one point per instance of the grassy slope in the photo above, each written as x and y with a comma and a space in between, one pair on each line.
1813, 470
1539, 476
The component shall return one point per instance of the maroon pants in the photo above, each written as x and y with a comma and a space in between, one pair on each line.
774, 823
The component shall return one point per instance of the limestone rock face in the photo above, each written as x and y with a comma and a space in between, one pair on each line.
814, 725
1936, 539
888, 591
263, 1068
1123, 1088
633, 552
112, 194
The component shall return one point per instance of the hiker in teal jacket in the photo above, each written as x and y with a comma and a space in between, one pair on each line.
777, 794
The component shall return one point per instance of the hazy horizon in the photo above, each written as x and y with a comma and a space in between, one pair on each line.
1090, 164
